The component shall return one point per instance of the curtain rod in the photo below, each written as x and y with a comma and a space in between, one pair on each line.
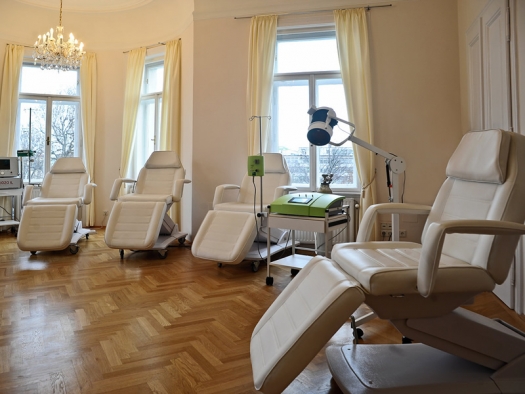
367, 8
151, 46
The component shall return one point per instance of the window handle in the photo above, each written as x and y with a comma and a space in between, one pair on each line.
47, 140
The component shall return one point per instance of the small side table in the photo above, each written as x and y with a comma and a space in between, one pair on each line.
334, 219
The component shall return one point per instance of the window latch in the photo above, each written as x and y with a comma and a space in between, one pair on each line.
47, 140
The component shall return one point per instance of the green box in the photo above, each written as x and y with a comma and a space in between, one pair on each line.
306, 204
256, 165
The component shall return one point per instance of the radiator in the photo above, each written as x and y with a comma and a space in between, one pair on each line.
36, 191
339, 236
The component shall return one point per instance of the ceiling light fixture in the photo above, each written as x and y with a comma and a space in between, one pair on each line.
56, 53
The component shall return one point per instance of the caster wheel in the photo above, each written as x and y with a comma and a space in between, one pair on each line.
406, 340
182, 240
255, 266
87, 236
33, 252
163, 254
121, 253
219, 265
269, 280
73, 249
294, 272
360, 333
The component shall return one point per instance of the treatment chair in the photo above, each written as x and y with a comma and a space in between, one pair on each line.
227, 233
467, 247
53, 220
139, 220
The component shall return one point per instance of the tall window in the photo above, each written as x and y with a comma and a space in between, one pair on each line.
52, 128
307, 73
147, 131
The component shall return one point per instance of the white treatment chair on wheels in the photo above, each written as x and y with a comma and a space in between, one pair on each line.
53, 221
467, 247
228, 232
139, 220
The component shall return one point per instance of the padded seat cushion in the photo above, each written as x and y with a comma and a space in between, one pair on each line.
167, 199
225, 236
238, 207
56, 201
390, 268
46, 227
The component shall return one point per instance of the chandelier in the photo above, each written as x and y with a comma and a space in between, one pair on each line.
56, 53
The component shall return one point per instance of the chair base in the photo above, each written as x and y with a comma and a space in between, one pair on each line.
408, 369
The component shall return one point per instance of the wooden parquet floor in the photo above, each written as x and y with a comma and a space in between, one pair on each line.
92, 323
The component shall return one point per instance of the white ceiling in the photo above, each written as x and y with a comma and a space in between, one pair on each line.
88, 5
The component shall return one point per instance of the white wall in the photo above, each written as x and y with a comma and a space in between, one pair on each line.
416, 97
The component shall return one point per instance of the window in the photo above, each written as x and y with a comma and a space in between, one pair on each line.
147, 130
48, 118
307, 73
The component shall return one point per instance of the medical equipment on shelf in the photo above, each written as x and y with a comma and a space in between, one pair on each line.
228, 232
308, 204
467, 247
139, 220
53, 220
10, 173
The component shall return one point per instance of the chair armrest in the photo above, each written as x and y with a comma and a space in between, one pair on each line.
283, 190
435, 237
28, 191
369, 218
115, 190
88, 193
179, 188
218, 197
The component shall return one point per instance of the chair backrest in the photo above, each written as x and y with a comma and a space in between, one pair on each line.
276, 174
485, 180
159, 174
66, 179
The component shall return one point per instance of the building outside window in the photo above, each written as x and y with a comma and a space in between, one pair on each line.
307, 73
52, 129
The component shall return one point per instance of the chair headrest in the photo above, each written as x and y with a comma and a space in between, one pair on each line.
274, 163
68, 165
163, 159
481, 156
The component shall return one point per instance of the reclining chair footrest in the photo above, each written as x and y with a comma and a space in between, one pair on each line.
46, 227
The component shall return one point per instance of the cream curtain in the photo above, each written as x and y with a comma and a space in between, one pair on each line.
88, 104
263, 37
14, 56
352, 45
134, 74
170, 124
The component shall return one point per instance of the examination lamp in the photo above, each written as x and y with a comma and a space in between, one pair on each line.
320, 133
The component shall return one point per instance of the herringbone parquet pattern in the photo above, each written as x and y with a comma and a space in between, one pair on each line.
91, 323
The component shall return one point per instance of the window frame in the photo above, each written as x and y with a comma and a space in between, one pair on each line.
311, 77
49, 99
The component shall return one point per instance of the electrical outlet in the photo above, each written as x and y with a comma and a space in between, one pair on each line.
105, 213
402, 233
386, 233
386, 226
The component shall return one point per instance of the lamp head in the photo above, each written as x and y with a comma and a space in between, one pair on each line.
321, 125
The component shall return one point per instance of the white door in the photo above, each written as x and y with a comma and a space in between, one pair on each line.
488, 59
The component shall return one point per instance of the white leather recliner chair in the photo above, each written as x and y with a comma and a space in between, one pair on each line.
227, 233
53, 221
467, 247
139, 220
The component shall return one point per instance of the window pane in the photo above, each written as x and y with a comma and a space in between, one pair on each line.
314, 54
153, 78
145, 131
332, 159
64, 130
36, 80
32, 135
291, 123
